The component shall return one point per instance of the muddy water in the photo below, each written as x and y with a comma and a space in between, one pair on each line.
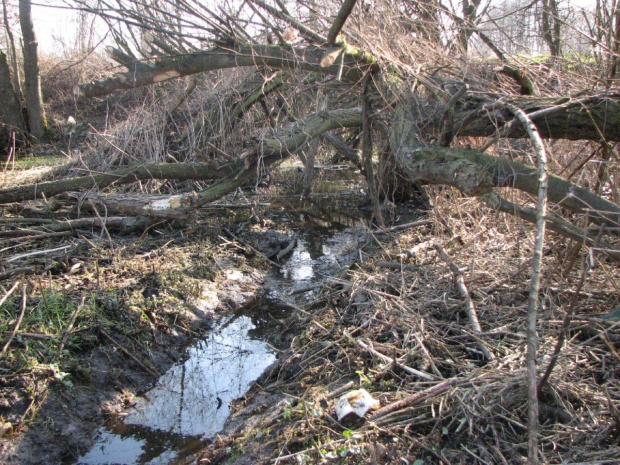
189, 404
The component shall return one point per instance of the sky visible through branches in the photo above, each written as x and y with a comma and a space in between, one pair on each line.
57, 27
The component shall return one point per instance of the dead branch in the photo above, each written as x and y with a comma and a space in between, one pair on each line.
419, 397
20, 256
250, 246
287, 249
17, 324
554, 223
116, 222
341, 18
532, 307
367, 150
69, 327
9, 292
307, 59
179, 171
151, 371
385, 358
179, 206
470, 309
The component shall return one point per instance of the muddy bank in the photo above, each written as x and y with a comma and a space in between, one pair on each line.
190, 404
142, 308
156, 310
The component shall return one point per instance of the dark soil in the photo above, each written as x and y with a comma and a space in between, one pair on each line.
151, 303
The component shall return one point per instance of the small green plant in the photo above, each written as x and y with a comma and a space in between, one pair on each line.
363, 378
53, 317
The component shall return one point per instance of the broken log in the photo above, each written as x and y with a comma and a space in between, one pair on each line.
178, 171
179, 206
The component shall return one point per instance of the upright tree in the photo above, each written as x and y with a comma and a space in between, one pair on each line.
552, 27
32, 77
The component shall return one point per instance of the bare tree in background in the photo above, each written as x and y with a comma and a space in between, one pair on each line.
32, 78
552, 27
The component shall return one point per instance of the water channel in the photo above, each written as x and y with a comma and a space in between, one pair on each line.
188, 405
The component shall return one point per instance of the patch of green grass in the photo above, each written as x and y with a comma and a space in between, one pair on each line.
29, 162
45, 323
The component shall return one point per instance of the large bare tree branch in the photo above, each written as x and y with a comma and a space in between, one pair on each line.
341, 18
308, 59
180, 171
595, 117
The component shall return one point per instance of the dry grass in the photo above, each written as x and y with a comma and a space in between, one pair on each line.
402, 302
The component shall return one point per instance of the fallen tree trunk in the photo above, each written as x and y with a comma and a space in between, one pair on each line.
179, 207
475, 173
141, 74
178, 171
595, 117
122, 223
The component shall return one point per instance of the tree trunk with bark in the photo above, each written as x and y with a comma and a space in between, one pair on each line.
11, 121
37, 124
552, 27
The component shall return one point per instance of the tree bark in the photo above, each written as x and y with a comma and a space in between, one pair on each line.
143, 74
475, 173
552, 27
179, 171
179, 207
286, 141
32, 77
12, 52
11, 120
594, 117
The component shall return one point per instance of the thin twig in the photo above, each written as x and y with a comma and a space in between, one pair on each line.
401, 227
19, 322
67, 332
565, 323
385, 358
151, 371
9, 292
39, 252
470, 308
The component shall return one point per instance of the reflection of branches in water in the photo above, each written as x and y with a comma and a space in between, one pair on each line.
126, 443
300, 266
181, 395
217, 371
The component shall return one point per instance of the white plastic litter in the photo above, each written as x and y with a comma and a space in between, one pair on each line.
355, 402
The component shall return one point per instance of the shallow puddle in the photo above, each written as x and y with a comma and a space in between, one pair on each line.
189, 404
